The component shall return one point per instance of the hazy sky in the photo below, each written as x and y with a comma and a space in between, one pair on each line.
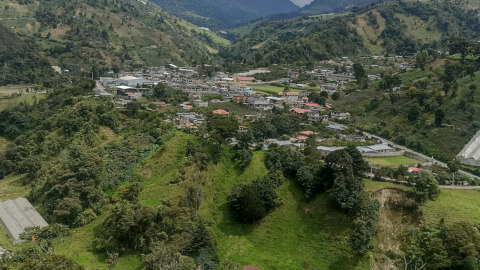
301, 3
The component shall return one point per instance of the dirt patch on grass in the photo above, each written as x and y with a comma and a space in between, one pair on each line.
394, 218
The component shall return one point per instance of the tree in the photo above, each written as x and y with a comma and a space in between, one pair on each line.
190, 149
426, 187
68, 210
159, 90
360, 75
422, 60
55, 262
310, 179
439, 116
364, 228
46, 237
473, 88
252, 202
335, 96
414, 112
194, 197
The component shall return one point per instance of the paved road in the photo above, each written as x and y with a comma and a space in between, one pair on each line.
430, 159
99, 86
460, 187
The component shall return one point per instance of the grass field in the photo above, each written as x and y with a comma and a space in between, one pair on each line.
372, 186
454, 206
390, 161
5, 103
298, 231
273, 90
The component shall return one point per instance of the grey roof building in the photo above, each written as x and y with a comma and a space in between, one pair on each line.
17, 215
470, 154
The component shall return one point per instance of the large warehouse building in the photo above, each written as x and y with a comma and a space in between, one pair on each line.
470, 154
17, 215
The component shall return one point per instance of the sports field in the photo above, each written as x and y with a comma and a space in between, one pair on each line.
390, 161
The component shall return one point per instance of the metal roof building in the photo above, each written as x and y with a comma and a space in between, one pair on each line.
470, 154
17, 215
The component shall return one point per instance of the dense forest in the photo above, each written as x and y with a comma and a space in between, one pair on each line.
21, 60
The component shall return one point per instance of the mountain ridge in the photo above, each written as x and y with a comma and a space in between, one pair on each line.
224, 13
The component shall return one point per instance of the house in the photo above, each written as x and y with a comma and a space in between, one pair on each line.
298, 111
325, 151
159, 103
312, 106
339, 115
239, 99
336, 128
200, 103
293, 73
131, 81
242, 129
302, 138
245, 80
308, 133
314, 117
414, 169
356, 138
291, 96
221, 112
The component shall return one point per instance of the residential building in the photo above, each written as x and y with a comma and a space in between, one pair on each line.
200, 103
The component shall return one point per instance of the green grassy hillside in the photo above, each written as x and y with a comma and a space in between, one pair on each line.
390, 27
93, 35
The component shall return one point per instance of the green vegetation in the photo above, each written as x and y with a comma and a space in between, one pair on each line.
454, 206
373, 186
269, 89
390, 161
226, 14
16, 99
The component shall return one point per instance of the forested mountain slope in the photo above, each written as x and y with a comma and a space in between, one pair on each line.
20, 60
93, 35
225, 13
329, 6
391, 27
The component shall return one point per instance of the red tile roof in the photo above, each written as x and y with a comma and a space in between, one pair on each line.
302, 138
328, 106
413, 169
158, 103
308, 133
189, 106
291, 93
300, 111
220, 111
312, 104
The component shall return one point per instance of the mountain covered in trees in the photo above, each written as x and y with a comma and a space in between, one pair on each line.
390, 27
225, 13
93, 36
329, 6
21, 60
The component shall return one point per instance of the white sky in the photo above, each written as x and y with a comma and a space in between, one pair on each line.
301, 3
